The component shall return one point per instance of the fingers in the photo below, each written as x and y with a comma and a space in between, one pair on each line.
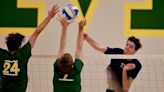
85, 36
59, 16
129, 66
83, 22
71, 21
55, 8
53, 11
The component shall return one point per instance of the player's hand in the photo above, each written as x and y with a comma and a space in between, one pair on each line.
63, 21
53, 11
129, 67
82, 23
85, 36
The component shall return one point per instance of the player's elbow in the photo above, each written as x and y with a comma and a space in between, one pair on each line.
100, 49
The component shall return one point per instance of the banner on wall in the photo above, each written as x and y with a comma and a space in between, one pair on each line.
20, 16
144, 18
140, 18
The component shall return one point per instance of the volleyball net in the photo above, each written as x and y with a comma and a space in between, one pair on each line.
149, 79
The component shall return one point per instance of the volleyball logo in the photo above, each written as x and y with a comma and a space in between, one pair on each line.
70, 11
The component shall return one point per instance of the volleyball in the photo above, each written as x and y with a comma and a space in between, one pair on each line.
70, 11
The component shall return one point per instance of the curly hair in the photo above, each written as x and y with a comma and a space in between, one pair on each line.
14, 41
136, 41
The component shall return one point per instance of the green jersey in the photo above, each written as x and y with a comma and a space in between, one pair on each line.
1, 66
70, 82
14, 69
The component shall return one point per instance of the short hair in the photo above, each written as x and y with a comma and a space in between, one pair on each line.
136, 41
14, 41
65, 63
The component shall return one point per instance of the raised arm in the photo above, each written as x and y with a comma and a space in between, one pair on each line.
40, 28
78, 53
127, 81
94, 44
63, 21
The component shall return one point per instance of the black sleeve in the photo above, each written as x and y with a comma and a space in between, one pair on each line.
113, 51
133, 73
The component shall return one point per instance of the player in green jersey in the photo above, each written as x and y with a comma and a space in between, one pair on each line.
66, 72
13, 62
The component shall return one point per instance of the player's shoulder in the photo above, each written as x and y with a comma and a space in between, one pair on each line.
137, 63
56, 61
26, 47
114, 50
135, 60
78, 63
3, 51
78, 60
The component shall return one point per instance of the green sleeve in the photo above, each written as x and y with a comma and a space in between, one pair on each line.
79, 64
56, 63
1, 51
0, 83
26, 50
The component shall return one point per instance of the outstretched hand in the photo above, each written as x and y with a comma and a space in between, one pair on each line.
82, 23
53, 11
85, 36
63, 21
